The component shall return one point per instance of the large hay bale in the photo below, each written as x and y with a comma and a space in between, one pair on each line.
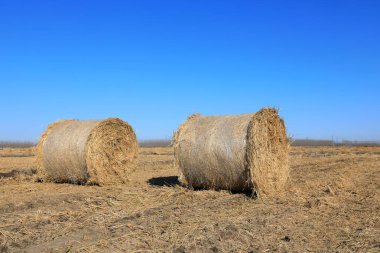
234, 152
87, 151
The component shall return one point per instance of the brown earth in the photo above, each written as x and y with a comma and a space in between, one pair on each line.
332, 205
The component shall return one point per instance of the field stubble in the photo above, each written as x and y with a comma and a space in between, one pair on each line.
332, 204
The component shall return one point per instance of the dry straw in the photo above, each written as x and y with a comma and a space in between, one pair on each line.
234, 152
87, 151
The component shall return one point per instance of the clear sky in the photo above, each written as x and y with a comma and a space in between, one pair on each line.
152, 63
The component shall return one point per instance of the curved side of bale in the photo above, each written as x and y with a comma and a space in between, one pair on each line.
87, 152
39, 148
64, 151
233, 152
177, 148
211, 152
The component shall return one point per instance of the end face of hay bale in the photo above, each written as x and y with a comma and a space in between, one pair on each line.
267, 152
111, 150
233, 152
87, 152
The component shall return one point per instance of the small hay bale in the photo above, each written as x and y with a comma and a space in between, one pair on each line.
87, 151
247, 152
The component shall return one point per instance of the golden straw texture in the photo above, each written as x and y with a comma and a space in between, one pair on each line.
87, 151
233, 152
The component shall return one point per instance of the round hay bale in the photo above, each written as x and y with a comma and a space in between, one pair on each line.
234, 152
87, 151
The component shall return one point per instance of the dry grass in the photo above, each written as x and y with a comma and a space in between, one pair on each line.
332, 205
16, 159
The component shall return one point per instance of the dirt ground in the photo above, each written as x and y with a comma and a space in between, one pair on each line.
332, 204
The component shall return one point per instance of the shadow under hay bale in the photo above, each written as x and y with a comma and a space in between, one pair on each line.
164, 181
247, 152
93, 152
18, 172
173, 181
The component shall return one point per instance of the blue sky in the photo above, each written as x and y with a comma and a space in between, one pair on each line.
152, 63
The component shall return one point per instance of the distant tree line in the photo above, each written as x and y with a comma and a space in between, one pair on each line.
319, 143
17, 144
155, 143
167, 143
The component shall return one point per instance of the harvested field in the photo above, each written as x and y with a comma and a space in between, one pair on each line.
332, 205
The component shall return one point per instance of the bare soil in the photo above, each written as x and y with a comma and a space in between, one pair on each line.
332, 204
